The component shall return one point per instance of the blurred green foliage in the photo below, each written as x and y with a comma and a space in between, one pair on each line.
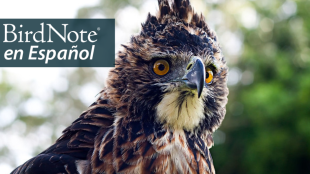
272, 133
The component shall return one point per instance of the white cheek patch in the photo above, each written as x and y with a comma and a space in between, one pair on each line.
180, 115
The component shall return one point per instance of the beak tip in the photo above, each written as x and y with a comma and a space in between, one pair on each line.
199, 93
195, 76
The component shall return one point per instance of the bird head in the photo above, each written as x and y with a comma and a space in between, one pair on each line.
173, 74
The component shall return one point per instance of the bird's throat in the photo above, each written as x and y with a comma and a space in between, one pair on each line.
180, 110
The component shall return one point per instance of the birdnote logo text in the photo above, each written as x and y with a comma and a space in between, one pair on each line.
57, 43
47, 55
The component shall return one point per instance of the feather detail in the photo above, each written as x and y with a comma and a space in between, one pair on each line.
75, 145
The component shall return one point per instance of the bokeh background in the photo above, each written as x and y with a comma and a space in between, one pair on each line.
266, 44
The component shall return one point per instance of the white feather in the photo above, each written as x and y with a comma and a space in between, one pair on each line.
81, 165
185, 116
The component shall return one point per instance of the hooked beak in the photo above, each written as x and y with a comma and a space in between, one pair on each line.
195, 75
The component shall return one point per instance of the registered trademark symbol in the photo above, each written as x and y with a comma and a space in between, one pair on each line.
98, 28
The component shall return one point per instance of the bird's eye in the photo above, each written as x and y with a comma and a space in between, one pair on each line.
209, 75
161, 67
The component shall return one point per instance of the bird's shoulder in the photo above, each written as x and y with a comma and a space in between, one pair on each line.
71, 152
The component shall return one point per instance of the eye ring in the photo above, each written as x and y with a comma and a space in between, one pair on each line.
161, 67
209, 75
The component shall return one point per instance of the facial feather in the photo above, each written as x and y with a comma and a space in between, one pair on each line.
181, 110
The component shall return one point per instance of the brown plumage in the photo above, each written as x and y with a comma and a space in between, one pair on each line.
148, 123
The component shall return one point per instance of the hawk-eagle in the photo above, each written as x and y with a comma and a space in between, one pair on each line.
162, 102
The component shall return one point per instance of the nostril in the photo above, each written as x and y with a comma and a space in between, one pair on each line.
189, 66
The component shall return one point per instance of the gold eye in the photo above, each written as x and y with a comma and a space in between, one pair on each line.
161, 67
209, 75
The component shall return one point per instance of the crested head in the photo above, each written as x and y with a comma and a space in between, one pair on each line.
160, 77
